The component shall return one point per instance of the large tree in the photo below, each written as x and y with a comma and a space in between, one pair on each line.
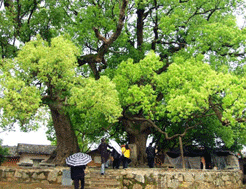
45, 76
197, 42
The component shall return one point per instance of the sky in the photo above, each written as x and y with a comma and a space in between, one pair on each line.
34, 137
39, 137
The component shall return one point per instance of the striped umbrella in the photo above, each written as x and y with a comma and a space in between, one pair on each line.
78, 159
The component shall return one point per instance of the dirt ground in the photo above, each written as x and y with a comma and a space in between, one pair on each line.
16, 185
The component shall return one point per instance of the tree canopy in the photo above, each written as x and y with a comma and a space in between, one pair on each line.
131, 67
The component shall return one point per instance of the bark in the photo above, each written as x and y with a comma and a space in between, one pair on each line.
92, 59
138, 133
67, 143
140, 141
182, 151
140, 25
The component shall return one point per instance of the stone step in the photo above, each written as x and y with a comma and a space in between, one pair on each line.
94, 180
92, 187
105, 182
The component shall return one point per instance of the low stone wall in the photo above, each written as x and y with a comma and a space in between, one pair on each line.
177, 179
28, 175
136, 178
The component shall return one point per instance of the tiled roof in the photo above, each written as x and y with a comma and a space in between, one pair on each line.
35, 149
30, 149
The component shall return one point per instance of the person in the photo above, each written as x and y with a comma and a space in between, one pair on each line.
102, 148
150, 151
108, 161
116, 159
126, 151
78, 174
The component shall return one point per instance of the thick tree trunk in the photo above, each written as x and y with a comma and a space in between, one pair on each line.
67, 143
138, 132
140, 141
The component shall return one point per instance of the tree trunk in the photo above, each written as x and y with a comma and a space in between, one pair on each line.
140, 25
140, 141
67, 143
181, 151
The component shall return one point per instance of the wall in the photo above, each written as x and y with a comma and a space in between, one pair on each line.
46, 175
11, 161
26, 158
177, 178
137, 178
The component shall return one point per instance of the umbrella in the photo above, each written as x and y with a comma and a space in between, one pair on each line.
78, 159
115, 145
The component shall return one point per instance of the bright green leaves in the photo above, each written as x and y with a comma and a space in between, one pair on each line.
39, 70
20, 102
134, 82
43, 73
94, 98
52, 64
189, 84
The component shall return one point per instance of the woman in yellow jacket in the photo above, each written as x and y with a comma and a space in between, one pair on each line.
126, 151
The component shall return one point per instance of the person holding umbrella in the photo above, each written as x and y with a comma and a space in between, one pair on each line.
116, 159
78, 163
116, 153
150, 151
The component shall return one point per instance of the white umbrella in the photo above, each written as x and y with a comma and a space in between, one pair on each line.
78, 159
115, 145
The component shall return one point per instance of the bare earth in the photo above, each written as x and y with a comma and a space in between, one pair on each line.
16, 185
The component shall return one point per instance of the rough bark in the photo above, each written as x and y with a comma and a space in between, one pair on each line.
67, 143
140, 25
137, 134
181, 151
140, 141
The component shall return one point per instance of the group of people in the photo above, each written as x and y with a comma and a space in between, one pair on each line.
117, 157
77, 173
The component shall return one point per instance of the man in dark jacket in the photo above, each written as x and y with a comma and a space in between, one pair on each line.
78, 174
150, 150
117, 159
102, 148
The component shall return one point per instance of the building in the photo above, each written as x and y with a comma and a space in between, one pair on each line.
28, 154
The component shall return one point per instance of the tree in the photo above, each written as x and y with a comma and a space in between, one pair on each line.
155, 92
45, 75
3, 152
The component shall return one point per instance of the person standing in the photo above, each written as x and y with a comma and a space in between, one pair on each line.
116, 159
78, 174
150, 150
126, 151
102, 148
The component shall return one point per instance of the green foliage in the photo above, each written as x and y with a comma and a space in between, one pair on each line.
42, 69
133, 82
188, 58
3, 153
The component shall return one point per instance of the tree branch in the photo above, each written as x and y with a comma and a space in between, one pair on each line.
92, 59
218, 112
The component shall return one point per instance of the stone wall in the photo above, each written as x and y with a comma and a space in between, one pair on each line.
136, 178
28, 175
177, 179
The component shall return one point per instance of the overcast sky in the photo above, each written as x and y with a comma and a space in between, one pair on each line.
13, 138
